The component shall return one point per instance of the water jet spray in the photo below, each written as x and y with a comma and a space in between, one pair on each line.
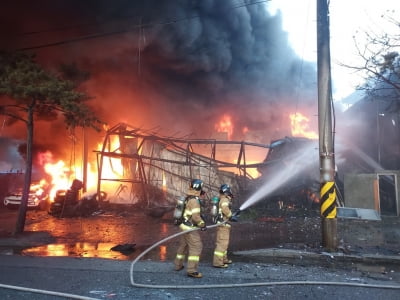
301, 160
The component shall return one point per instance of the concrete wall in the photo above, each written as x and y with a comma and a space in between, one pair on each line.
362, 190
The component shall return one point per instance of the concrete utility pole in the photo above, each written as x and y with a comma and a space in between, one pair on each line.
327, 159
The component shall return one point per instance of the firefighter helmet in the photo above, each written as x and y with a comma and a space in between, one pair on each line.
225, 189
196, 184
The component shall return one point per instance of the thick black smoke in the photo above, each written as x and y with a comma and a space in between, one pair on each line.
176, 64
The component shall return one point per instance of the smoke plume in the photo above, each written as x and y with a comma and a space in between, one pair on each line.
173, 65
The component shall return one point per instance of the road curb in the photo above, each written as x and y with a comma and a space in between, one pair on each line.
299, 256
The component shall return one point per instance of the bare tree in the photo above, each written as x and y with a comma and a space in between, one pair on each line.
381, 64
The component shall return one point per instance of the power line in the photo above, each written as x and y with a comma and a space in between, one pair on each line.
135, 27
77, 26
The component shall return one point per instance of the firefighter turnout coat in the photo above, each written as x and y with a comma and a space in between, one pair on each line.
223, 232
190, 244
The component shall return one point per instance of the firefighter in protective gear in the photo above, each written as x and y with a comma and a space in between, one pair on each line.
190, 244
220, 259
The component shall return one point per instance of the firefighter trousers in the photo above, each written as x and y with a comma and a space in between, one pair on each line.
189, 244
221, 245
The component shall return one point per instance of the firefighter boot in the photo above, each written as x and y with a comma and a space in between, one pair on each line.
195, 274
221, 266
228, 261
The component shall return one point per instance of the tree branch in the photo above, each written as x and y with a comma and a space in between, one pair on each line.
14, 116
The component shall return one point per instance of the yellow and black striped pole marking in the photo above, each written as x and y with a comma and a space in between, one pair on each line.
328, 200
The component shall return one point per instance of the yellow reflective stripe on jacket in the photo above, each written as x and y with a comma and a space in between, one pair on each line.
224, 224
185, 227
194, 258
224, 206
189, 212
219, 253
196, 210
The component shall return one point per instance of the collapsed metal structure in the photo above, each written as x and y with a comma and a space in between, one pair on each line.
156, 169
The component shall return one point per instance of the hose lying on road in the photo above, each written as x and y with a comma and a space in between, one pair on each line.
207, 286
45, 292
250, 284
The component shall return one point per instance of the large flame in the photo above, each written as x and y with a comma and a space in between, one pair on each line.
300, 126
225, 125
62, 174
38, 188
112, 167
58, 171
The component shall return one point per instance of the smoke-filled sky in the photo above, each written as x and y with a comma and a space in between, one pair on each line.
348, 30
176, 65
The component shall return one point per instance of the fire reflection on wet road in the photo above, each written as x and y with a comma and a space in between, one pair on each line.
78, 249
94, 236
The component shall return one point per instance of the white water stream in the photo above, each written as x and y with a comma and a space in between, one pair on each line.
300, 160
303, 159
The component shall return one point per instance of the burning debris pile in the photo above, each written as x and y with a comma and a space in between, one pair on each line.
69, 204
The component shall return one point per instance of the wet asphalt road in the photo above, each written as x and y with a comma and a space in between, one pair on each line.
94, 236
110, 279
72, 255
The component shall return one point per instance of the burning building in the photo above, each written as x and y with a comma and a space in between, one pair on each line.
157, 169
188, 69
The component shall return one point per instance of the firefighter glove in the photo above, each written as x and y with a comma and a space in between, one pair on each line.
202, 226
233, 218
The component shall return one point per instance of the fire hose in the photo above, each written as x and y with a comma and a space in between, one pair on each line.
45, 292
250, 284
197, 286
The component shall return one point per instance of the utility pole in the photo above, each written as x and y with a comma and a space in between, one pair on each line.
327, 159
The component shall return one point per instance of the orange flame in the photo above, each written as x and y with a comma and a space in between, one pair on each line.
225, 125
300, 126
112, 167
164, 182
62, 175
59, 173
59, 176
38, 188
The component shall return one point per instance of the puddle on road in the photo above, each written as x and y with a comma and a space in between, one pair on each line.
94, 237
98, 250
